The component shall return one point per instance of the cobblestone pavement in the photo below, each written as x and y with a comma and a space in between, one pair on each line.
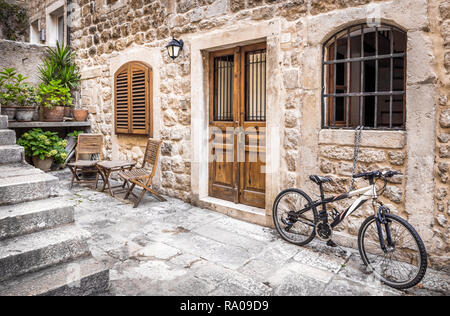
173, 248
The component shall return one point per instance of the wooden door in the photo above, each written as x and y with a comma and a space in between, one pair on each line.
252, 142
237, 125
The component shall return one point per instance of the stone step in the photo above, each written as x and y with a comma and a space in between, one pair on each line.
3, 122
21, 183
17, 169
11, 154
31, 217
7, 137
81, 277
33, 252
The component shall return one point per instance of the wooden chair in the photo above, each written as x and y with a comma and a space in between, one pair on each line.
142, 177
88, 144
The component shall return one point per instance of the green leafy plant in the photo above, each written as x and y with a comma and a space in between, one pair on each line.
54, 94
15, 91
38, 143
59, 64
75, 134
28, 96
7, 87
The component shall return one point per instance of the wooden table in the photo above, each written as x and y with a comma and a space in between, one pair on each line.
105, 169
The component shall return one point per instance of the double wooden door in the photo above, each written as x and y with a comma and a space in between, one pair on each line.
237, 125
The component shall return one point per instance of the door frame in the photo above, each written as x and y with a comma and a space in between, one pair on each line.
201, 46
237, 193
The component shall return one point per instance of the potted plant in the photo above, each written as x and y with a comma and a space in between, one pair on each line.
55, 97
44, 148
58, 64
28, 99
80, 115
8, 92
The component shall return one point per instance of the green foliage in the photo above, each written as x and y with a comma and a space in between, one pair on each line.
44, 145
15, 91
55, 94
75, 134
58, 64
13, 20
28, 96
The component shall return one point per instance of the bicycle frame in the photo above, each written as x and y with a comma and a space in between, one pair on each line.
367, 193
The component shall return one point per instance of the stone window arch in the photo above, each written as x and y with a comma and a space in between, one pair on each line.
133, 99
364, 78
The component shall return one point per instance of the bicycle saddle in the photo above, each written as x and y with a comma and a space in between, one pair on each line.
319, 179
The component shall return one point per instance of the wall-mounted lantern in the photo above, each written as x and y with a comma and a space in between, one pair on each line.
174, 48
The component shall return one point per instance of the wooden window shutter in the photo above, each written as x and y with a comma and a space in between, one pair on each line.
133, 99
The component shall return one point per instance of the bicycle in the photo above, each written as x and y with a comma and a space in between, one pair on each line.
389, 246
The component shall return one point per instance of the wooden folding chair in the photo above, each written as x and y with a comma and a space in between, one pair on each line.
88, 144
142, 177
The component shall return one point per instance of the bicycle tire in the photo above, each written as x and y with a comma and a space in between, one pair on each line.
420, 246
275, 214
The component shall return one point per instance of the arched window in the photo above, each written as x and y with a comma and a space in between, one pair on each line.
364, 71
133, 99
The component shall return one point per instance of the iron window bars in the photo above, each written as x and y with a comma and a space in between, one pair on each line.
223, 87
255, 99
379, 55
255, 87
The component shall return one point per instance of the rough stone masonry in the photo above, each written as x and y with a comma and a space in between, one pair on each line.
111, 33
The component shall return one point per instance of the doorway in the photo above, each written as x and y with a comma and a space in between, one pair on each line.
237, 125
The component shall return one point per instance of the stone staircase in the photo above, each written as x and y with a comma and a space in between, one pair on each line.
42, 251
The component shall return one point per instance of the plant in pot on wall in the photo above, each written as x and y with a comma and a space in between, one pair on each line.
55, 97
44, 148
28, 99
8, 92
58, 64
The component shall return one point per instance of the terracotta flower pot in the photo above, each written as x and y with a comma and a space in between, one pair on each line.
67, 111
55, 114
44, 165
9, 111
25, 113
80, 115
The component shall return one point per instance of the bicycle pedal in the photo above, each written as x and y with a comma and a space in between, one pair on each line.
331, 244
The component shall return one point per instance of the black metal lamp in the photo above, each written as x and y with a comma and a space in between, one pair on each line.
174, 48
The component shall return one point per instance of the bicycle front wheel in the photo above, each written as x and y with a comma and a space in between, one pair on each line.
294, 217
403, 262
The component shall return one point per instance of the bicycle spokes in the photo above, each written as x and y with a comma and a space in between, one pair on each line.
392, 250
293, 218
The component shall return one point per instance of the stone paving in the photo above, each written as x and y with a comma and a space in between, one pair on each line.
173, 248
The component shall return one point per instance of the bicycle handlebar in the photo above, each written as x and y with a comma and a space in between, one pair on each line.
377, 174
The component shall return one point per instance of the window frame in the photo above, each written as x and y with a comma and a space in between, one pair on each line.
328, 98
148, 100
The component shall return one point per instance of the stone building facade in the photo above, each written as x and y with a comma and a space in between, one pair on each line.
49, 20
112, 33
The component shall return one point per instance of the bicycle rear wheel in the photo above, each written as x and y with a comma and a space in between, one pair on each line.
403, 264
294, 226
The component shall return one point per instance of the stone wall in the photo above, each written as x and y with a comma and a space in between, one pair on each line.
114, 32
25, 58
336, 161
13, 20
36, 9
441, 27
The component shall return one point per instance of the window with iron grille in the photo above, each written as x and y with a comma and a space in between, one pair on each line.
223, 88
255, 99
250, 66
132, 90
363, 78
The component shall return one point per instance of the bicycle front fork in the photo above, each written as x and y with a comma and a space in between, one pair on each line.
382, 220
